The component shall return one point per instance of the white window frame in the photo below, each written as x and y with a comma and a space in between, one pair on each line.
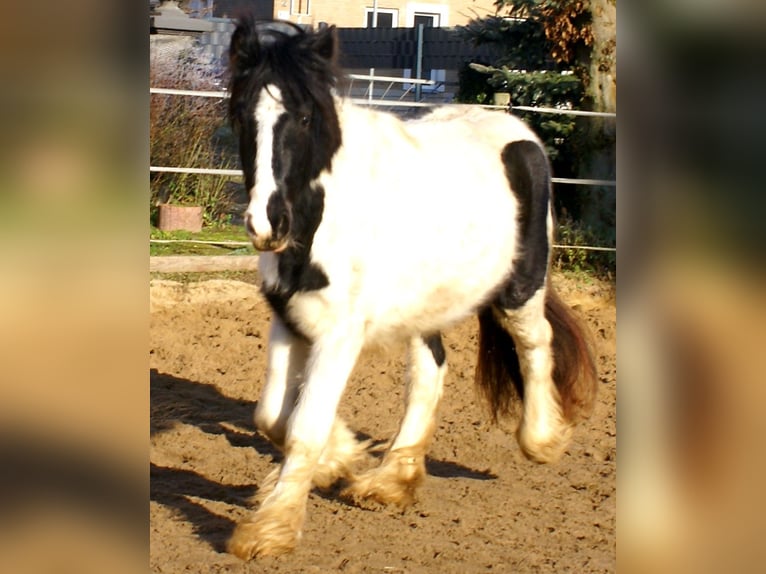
294, 7
393, 11
419, 8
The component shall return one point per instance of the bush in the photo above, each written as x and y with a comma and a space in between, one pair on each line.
572, 232
189, 131
545, 89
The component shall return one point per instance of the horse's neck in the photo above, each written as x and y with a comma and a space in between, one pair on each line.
364, 127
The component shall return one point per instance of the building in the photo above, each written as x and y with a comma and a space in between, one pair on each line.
359, 13
390, 50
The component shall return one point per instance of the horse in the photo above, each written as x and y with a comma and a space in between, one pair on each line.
370, 228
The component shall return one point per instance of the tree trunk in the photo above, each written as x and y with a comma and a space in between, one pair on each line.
598, 202
602, 88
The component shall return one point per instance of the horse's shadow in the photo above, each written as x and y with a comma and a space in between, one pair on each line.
175, 400
434, 467
449, 469
176, 488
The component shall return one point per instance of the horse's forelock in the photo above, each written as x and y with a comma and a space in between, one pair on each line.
252, 51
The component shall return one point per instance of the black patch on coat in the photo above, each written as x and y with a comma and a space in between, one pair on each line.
434, 342
278, 212
528, 173
297, 273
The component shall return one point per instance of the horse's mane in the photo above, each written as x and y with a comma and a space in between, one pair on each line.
302, 62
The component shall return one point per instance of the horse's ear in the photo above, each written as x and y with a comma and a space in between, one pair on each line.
243, 50
325, 42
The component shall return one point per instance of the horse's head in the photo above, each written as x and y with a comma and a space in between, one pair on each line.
283, 109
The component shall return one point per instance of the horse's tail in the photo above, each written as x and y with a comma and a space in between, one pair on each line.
498, 372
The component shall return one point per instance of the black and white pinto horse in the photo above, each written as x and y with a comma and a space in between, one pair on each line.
372, 229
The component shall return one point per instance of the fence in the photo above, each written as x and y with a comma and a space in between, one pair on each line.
208, 263
397, 48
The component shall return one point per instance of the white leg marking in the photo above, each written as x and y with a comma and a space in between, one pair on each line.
424, 390
288, 357
340, 455
284, 374
276, 525
543, 433
403, 467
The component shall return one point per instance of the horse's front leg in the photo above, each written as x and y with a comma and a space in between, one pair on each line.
285, 370
275, 527
403, 466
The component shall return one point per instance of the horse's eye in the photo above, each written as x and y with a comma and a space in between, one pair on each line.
305, 120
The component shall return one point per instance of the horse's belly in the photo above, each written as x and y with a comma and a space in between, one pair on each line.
391, 314
432, 301
403, 322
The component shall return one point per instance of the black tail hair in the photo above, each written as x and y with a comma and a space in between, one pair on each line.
498, 373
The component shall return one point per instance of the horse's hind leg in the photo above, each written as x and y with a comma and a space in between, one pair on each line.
403, 466
340, 455
544, 431
520, 310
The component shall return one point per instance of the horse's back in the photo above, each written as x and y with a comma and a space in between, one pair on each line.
479, 126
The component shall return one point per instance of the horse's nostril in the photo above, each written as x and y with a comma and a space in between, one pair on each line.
249, 224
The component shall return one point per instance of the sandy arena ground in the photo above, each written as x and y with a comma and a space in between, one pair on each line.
483, 507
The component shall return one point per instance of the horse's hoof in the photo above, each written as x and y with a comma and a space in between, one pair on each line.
368, 492
244, 541
250, 540
271, 531
545, 448
393, 483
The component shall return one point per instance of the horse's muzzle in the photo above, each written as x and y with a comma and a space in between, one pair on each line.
265, 242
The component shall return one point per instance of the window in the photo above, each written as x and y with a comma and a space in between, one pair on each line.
430, 15
387, 18
428, 20
300, 7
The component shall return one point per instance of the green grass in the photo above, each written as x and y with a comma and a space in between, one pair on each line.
244, 276
217, 233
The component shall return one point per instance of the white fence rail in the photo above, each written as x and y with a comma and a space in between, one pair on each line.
396, 103
196, 93
248, 244
196, 170
238, 173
